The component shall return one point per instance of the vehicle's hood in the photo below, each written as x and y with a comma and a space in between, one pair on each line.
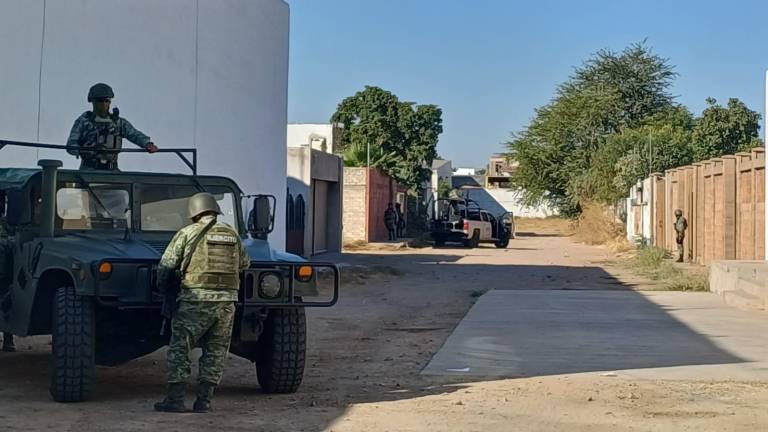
259, 250
87, 247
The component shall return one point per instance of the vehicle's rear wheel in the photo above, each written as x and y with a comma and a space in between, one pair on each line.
473, 241
439, 241
73, 346
282, 350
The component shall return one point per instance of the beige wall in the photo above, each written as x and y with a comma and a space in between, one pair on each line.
724, 202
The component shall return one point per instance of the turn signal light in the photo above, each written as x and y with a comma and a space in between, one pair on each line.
105, 268
304, 273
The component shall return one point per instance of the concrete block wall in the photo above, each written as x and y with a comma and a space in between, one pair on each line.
354, 205
723, 200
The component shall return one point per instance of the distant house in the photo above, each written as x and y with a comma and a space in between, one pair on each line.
367, 191
500, 170
464, 172
315, 189
325, 137
441, 172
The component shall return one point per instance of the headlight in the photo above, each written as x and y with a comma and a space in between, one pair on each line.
270, 285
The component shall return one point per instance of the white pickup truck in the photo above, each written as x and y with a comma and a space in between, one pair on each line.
463, 221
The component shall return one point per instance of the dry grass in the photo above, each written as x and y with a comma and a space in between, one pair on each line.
550, 225
597, 226
654, 263
361, 245
360, 274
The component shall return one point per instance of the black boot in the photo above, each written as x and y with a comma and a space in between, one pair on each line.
174, 401
204, 395
8, 345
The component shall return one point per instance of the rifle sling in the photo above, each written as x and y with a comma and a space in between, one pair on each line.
193, 246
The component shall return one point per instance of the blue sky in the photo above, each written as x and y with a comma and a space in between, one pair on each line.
489, 64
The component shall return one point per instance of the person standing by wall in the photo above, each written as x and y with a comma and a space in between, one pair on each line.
681, 224
390, 221
400, 221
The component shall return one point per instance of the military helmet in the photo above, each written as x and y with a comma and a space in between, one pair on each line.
201, 203
100, 91
678, 212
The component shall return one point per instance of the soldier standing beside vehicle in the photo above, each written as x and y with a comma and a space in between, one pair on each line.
400, 221
99, 130
390, 221
208, 257
681, 224
6, 251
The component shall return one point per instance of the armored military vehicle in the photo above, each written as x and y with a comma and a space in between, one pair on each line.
80, 265
462, 220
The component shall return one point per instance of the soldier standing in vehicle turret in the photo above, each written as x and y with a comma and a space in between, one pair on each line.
99, 130
208, 256
5, 266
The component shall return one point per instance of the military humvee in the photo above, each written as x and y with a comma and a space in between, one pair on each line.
81, 266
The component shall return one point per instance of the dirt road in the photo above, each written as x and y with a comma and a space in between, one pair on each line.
366, 355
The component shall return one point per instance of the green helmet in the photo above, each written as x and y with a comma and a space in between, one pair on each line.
201, 203
678, 212
100, 91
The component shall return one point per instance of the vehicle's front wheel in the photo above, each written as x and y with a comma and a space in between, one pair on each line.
282, 350
502, 243
73, 346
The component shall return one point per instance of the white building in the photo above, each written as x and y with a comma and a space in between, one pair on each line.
206, 74
441, 172
319, 136
464, 172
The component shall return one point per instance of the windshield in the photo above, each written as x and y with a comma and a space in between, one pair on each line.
103, 206
164, 207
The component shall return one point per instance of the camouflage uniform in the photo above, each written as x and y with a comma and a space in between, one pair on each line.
390, 220
6, 273
208, 292
92, 131
681, 224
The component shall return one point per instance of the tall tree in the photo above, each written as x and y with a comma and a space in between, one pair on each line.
402, 136
725, 130
610, 92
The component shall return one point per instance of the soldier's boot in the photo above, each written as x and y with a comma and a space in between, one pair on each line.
204, 395
8, 344
174, 400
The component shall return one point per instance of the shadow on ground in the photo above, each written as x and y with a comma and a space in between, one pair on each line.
373, 346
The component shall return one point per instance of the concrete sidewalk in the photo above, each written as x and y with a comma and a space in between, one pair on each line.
655, 335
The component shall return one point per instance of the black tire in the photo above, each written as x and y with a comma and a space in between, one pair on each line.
502, 243
473, 241
73, 345
439, 242
281, 351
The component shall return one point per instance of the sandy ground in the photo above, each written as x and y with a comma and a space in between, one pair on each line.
365, 357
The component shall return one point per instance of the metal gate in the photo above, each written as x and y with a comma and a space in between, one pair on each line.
294, 233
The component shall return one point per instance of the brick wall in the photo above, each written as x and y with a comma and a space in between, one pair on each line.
354, 205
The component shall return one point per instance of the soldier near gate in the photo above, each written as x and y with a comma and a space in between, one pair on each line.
6, 268
207, 257
99, 130
681, 224
390, 221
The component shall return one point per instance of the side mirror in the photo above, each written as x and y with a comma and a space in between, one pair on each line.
261, 220
18, 210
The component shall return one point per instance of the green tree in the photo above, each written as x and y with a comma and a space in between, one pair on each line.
402, 136
661, 143
609, 93
725, 130
444, 189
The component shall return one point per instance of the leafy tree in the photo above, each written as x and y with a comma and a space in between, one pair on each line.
725, 130
402, 136
444, 188
660, 144
609, 93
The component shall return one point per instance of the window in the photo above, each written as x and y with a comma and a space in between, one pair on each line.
165, 207
103, 206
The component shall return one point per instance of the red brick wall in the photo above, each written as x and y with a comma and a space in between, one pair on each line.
381, 190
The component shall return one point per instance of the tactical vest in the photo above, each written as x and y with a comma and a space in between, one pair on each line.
215, 263
103, 133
